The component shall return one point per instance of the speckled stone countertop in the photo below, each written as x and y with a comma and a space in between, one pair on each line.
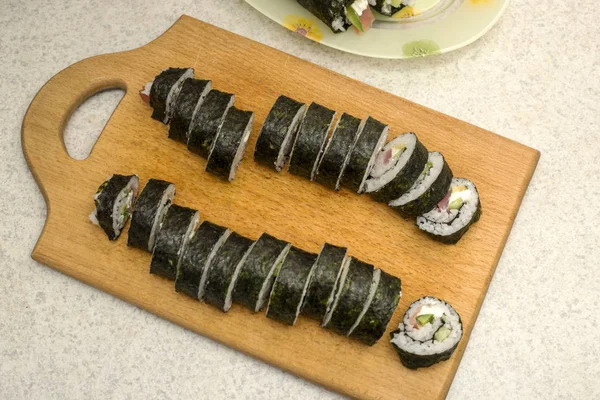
534, 78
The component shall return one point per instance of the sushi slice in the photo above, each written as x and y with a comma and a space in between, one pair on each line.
149, 212
429, 333
324, 282
206, 122
290, 286
114, 201
337, 152
188, 102
428, 190
396, 168
454, 214
369, 142
371, 327
230, 144
258, 273
224, 270
339, 15
310, 141
163, 91
197, 256
279, 130
390, 7
176, 230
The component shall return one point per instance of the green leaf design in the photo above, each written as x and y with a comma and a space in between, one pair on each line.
421, 48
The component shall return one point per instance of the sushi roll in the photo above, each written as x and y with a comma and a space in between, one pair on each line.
325, 279
370, 140
189, 101
429, 333
371, 327
310, 141
337, 152
176, 230
428, 190
205, 125
279, 130
149, 212
339, 15
197, 257
224, 270
454, 214
163, 91
114, 201
230, 144
258, 273
396, 168
390, 7
290, 286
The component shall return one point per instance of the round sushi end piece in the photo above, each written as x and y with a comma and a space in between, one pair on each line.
325, 279
396, 168
310, 141
454, 214
114, 201
175, 232
258, 272
290, 286
429, 333
149, 213
207, 121
164, 90
337, 152
428, 190
230, 145
278, 133
370, 140
189, 101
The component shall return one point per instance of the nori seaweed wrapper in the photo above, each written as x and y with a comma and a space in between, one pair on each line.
191, 93
456, 236
328, 11
161, 87
107, 195
414, 361
205, 126
391, 9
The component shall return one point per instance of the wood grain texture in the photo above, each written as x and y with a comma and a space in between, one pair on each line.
260, 200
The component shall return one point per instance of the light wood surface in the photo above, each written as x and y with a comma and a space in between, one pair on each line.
260, 200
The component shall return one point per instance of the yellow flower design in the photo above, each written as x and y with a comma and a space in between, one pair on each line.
406, 12
477, 2
304, 27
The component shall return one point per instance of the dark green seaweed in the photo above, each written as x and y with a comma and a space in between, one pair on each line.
191, 93
205, 126
107, 195
159, 92
393, 10
456, 236
328, 11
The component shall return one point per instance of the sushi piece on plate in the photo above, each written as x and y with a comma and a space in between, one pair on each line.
162, 92
390, 7
207, 120
188, 102
114, 201
339, 15
428, 334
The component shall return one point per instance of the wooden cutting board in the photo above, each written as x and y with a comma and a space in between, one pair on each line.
260, 200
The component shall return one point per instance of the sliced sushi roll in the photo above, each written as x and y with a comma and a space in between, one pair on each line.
390, 7
149, 213
429, 333
454, 214
163, 91
396, 168
258, 272
428, 190
290, 286
337, 152
325, 279
197, 257
278, 133
188, 102
114, 201
207, 120
224, 270
310, 141
175, 232
370, 140
230, 144
339, 15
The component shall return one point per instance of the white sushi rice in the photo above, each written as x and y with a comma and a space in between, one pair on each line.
313, 173
163, 207
380, 143
288, 141
335, 297
338, 24
203, 95
174, 94
236, 273
360, 6
372, 290
263, 295
241, 149
206, 268
424, 182
383, 171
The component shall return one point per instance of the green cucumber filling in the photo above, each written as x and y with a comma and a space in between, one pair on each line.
428, 166
397, 151
424, 319
354, 18
442, 334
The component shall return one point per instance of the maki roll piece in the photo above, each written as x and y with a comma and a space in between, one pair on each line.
175, 232
207, 120
429, 333
371, 327
396, 168
258, 272
324, 282
197, 256
339, 15
290, 286
337, 152
428, 190
367, 146
188, 102
149, 213
163, 91
310, 141
224, 270
114, 201
279, 130
230, 144
454, 214
390, 7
